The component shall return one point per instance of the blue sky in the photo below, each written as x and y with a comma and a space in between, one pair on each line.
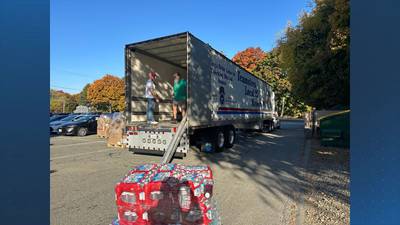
88, 37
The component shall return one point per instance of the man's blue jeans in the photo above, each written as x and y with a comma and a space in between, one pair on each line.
150, 109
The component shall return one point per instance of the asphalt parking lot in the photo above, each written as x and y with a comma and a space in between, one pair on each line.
256, 182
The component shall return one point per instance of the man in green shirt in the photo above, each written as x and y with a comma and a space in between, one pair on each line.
180, 96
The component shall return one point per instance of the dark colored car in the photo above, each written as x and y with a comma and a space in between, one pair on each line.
86, 124
58, 123
94, 113
57, 117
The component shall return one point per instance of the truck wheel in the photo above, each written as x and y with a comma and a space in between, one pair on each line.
266, 126
230, 137
82, 132
219, 141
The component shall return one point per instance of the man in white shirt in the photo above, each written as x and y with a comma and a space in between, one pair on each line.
151, 98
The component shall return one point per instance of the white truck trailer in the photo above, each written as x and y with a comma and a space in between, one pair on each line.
221, 96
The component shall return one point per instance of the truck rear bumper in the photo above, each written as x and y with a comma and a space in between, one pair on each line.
155, 152
154, 140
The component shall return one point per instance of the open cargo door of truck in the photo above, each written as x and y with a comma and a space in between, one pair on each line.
164, 56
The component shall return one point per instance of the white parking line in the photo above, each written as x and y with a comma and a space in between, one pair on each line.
80, 154
72, 138
82, 143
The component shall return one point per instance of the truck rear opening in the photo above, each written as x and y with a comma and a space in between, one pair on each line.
164, 56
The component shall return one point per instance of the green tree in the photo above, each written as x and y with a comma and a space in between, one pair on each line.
270, 70
83, 96
315, 55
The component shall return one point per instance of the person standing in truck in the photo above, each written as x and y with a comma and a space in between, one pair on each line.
180, 96
151, 97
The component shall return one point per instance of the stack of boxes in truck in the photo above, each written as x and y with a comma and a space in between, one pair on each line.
166, 194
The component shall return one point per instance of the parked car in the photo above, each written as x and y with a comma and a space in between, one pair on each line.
56, 124
94, 113
57, 117
81, 126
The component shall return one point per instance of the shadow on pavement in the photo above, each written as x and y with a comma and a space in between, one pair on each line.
274, 161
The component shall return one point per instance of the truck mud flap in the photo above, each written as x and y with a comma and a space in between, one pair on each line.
153, 152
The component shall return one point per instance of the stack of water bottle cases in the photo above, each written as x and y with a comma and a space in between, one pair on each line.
166, 194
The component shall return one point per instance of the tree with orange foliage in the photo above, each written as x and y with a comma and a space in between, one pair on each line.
107, 93
249, 58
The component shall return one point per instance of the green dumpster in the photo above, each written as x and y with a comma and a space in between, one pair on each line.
335, 129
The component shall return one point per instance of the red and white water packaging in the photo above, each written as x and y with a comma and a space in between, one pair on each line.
165, 194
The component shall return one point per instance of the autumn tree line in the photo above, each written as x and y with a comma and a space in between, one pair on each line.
309, 66
104, 95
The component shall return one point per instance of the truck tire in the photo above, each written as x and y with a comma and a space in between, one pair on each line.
230, 137
82, 132
266, 127
219, 140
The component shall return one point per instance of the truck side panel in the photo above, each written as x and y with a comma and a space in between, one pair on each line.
199, 85
236, 94
221, 91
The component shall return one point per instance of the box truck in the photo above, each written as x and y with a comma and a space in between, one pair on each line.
222, 97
